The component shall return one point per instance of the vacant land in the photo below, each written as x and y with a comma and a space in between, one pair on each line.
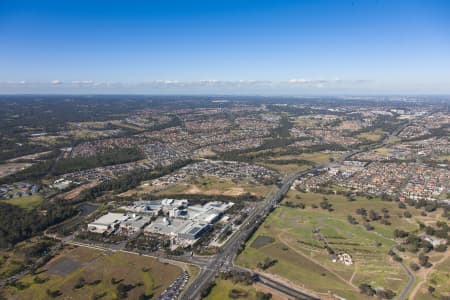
312, 121
262, 241
205, 185
25, 202
82, 273
14, 260
372, 136
314, 157
12, 168
302, 236
382, 151
285, 168
74, 193
296, 162
318, 157
437, 278
443, 158
393, 140
223, 289
34, 156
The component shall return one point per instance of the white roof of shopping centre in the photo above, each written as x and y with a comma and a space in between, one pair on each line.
110, 218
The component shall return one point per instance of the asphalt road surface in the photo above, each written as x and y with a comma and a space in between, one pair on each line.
230, 249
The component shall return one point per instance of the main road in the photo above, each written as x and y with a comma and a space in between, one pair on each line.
230, 249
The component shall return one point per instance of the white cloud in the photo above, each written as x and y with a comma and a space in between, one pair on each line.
82, 82
13, 82
321, 83
176, 85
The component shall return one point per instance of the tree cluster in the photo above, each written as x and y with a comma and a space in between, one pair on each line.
267, 263
17, 224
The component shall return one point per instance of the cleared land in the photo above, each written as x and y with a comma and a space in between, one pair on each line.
29, 157
72, 194
297, 162
12, 168
312, 121
101, 273
315, 157
285, 168
205, 185
318, 157
300, 235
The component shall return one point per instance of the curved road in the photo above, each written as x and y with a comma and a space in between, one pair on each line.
226, 257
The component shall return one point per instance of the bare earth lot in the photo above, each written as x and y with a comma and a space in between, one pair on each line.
12, 168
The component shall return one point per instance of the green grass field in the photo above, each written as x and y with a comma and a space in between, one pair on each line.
313, 158
223, 288
439, 279
299, 248
372, 136
316, 157
26, 202
14, 259
285, 168
97, 268
393, 140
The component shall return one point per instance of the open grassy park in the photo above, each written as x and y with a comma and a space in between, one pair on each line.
82, 273
294, 239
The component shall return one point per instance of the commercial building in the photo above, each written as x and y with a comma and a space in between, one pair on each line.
134, 224
107, 222
194, 231
183, 221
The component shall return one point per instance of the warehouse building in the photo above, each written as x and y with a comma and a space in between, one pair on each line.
108, 222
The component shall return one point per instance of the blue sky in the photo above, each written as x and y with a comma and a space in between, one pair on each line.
225, 47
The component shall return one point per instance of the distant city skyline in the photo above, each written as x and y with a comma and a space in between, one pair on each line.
225, 47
